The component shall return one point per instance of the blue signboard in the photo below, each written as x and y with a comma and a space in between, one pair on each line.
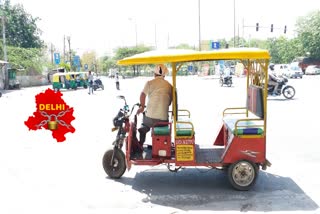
76, 61
57, 58
85, 66
215, 45
190, 68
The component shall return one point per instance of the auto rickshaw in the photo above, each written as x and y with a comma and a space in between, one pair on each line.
69, 80
240, 145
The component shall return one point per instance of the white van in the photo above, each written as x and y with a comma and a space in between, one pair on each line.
281, 69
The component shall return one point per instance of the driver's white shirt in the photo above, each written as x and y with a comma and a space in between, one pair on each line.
159, 93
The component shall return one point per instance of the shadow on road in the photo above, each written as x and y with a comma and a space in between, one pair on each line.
200, 189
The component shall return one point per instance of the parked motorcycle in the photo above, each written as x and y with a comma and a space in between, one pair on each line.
97, 83
287, 90
225, 80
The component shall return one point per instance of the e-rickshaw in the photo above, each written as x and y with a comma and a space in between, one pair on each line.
240, 145
69, 80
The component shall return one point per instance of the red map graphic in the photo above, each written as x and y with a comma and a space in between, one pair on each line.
50, 106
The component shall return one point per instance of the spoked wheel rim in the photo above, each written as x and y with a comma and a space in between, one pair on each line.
289, 92
243, 174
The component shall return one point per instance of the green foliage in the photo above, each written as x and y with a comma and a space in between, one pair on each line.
21, 28
108, 63
30, 59
308, 29
184, 46
130, 51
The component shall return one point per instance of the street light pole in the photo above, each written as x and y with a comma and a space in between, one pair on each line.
135, 25
155, 35
234, 23
199, 25
135, 28
68, 38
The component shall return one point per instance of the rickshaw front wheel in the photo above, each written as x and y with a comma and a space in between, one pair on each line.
243, 174
117, 167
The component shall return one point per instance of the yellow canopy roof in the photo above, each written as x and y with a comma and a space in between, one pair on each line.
179, 55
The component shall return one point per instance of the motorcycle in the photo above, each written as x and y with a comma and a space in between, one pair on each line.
225, 80
114, 161
97, 83
287, 90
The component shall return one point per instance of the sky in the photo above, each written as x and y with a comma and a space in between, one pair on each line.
103, 25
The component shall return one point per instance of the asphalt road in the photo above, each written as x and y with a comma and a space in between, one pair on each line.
39, 175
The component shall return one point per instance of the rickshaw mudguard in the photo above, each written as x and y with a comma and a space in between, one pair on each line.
241, 148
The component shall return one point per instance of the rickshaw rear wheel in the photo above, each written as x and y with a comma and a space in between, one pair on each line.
243, 174
118, 166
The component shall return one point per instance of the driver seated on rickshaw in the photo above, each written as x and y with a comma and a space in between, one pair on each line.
159, 93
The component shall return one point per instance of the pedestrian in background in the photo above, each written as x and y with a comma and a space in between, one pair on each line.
90, 81
117, 81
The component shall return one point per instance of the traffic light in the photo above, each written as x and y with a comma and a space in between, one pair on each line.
257, 27
285, 29
271, 27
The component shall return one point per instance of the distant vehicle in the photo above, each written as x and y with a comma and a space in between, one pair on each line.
293, 71
313, 70
304, 62
280, 69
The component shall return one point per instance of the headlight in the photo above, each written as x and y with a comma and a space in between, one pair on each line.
117, 121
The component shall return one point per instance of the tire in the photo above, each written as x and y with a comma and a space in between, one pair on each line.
118, 167
242, 175
0, 94
288, 92
229, 83
221, 82
102, 87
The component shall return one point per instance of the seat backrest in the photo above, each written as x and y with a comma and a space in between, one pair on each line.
255, 101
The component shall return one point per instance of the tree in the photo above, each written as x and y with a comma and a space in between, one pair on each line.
184, 46
21, 28
308, 30
108, 63
127, 52
90, 58
28, 59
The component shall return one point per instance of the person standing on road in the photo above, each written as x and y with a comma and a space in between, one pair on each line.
90, 81
117, 81
159, 93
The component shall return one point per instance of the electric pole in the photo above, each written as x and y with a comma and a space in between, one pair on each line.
64, 48
51, 53
68, 38
6, 76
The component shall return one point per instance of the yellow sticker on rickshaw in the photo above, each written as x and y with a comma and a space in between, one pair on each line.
184, 152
